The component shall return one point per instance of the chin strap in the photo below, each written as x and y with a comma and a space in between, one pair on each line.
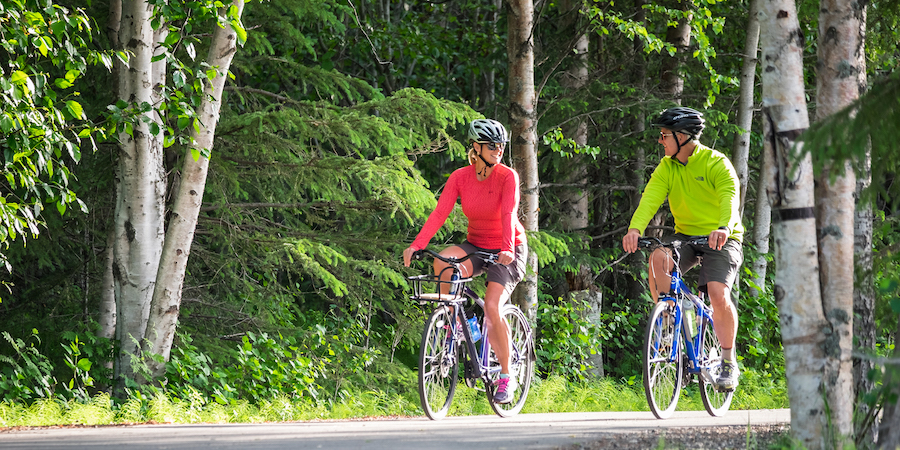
483, 172
678, 144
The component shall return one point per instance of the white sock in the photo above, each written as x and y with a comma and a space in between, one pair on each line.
728, 354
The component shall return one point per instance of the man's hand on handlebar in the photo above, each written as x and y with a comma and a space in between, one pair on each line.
630, 240
717, 239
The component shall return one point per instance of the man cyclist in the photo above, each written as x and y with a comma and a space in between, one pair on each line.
704, 195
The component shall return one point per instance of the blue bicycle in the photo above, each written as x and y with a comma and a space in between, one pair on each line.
452, 342
681, 343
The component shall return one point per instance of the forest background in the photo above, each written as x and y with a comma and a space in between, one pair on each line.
338, 125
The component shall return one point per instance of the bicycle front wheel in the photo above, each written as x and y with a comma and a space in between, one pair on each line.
438, 364
715, 402
521, 362
662, 362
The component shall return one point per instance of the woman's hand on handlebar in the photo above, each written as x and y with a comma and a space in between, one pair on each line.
408, 255
630, 240
505, 257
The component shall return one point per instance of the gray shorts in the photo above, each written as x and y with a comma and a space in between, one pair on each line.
715, 265
508, 276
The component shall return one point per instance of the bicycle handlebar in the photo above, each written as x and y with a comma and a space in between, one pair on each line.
489, 257
646, 242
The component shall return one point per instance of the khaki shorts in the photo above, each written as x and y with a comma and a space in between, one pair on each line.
715, 265
508, 276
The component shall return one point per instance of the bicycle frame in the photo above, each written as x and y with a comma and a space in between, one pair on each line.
679, 290
479, 358
669, 344
481, 368
691, 344
439, 355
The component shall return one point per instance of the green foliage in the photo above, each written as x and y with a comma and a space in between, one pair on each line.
44, 50
263, 368
28, 376
866, 125
566, 339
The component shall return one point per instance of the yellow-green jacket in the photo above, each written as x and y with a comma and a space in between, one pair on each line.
704, 194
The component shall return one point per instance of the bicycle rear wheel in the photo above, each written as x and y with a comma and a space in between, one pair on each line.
438, 364
521, 362
662, 362
715, 402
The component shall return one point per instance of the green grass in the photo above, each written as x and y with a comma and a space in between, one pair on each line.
554, 394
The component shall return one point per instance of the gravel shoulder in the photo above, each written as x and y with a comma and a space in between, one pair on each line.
726, 437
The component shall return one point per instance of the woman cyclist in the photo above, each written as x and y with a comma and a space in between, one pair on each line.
489, 194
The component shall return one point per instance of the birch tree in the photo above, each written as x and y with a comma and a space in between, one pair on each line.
523, 130
672, 87
741, 153
166, 300
762, 213
139, 219
841, 77
790, 192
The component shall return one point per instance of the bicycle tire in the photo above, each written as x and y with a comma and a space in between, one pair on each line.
715, 402
662, 363
438, 365
521, 362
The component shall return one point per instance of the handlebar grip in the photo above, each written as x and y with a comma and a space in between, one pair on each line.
417, 255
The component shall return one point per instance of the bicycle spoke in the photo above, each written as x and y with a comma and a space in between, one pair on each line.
715, 402
521, 362
662, 372
438, 367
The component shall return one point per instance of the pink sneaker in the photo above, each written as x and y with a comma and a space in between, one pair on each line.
504, 390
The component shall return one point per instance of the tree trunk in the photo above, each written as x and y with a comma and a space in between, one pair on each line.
139, 232
864, 299
574, 196
638, 164
790, 191
741, 154
523, 126
889, 432
680, 37
762, 217
762, 227
840, 80
140, 190
188, 199
672, 86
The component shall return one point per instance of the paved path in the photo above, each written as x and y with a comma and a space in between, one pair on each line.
525, 431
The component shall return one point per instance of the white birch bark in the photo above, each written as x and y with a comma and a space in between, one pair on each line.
790, 192
864, 296
138, 228
188, 199
741, 145
762, 213
762, 231
523, 127
840, 78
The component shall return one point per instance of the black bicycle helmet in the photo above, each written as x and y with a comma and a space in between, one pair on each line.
683, 120
487, 130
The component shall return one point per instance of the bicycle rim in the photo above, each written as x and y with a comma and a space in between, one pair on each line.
438, 365
521, 362
715, 402
662, 363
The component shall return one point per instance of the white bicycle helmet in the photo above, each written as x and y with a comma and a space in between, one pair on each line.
487, 130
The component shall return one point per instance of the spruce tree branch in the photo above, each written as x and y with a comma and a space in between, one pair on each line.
249, 90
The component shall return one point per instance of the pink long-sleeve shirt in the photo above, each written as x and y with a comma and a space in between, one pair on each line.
490, 205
